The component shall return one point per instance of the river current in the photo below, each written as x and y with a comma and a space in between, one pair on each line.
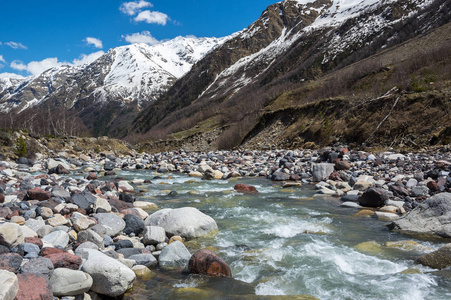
283, 242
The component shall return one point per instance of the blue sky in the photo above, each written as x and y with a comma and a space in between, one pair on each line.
39, 34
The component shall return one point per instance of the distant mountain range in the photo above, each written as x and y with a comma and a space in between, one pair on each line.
215, 93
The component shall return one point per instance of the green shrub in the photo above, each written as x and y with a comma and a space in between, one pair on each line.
21, 147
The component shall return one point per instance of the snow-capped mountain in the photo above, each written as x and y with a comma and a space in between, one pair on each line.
293, 41
136, 73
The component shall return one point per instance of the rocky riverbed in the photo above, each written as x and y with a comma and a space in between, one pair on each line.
72, 228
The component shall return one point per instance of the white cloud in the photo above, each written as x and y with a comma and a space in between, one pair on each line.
132, 8
87, 59
37, 67
2, 59
15, 45
95, 42
143, 37
152, 17
11, 75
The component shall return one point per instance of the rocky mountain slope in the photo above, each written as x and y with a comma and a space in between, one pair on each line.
293, 46
120, 82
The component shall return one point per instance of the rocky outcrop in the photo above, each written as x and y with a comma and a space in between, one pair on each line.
432, 218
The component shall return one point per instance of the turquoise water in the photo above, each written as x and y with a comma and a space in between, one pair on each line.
287, 242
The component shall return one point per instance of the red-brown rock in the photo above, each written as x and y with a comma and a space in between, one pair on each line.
5, 211
119, 204
92, 176
34, 240
38, 194
50, 250
432, 185
34, 287
41, 176
342, 165
2, 198
244, 188
110, 173
335, 176
206, 262
65, 260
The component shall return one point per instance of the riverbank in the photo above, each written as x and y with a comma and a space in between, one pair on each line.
72, 201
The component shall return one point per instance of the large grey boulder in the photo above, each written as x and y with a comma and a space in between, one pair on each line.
432, 218
67, 282
187, 222
322, 171
110, 277
9, 285
174, 256
112, 223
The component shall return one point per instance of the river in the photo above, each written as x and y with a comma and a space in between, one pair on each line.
287, 242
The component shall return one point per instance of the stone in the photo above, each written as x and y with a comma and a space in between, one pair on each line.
90, 236
362, 185
66, 282
411, 183
145, 259
174, 256
431, 218
101, 205
432, 185
18, 220
322, 171
385, 216
364, 213
122, 244
195, 174
175, 238
350, 198
57, 238
34, 287
9, 285
109, 165
139, 212
28, 250
187, 222
34, 240
439, 259
133, 224
125, 186
35, 224
11, 235
119, 204
246, 189
45, 212
389, 209
84, 200
52, 163
145, 205
351, 204
342, 165
143, 272
65, 260
206, 262
10, 262
154, 235
110, 277
280, 176
420, 191
81, 222
92, 176
112, 223
58, 220
373, 197
60, 170
38, 265
38, 194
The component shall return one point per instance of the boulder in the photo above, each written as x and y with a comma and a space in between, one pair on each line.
110, 277
174, 256
373, 197
60, 170
246, 189
66, 282
208, 263
154, 235
322, 171
28, 250
34, 287
9, 285
342, 165
420, 191
90, 236
38, 265
280, 176
432, 218
188, 222
84, 200
111, 222
439, 259
11, 235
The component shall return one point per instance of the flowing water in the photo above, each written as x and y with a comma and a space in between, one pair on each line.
287, 242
